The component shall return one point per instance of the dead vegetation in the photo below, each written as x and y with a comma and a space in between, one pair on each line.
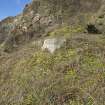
72, 75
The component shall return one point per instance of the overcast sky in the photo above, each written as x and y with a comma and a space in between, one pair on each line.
11, 7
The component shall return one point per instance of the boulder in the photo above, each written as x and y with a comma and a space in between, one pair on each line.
52, 44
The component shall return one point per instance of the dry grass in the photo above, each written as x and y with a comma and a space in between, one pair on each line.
73, 75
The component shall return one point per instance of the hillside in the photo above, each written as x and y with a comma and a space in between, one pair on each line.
53, 53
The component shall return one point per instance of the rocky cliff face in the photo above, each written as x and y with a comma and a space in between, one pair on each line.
53, 54
38, 16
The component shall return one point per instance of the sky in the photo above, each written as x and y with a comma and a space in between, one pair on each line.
11, 7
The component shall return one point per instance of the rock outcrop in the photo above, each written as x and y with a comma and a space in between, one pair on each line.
39, 15
53, 44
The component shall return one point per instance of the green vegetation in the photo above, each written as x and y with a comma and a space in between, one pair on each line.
73, 75
66, 30
67, 76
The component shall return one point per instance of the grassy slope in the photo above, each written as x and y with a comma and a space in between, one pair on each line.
73, 75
